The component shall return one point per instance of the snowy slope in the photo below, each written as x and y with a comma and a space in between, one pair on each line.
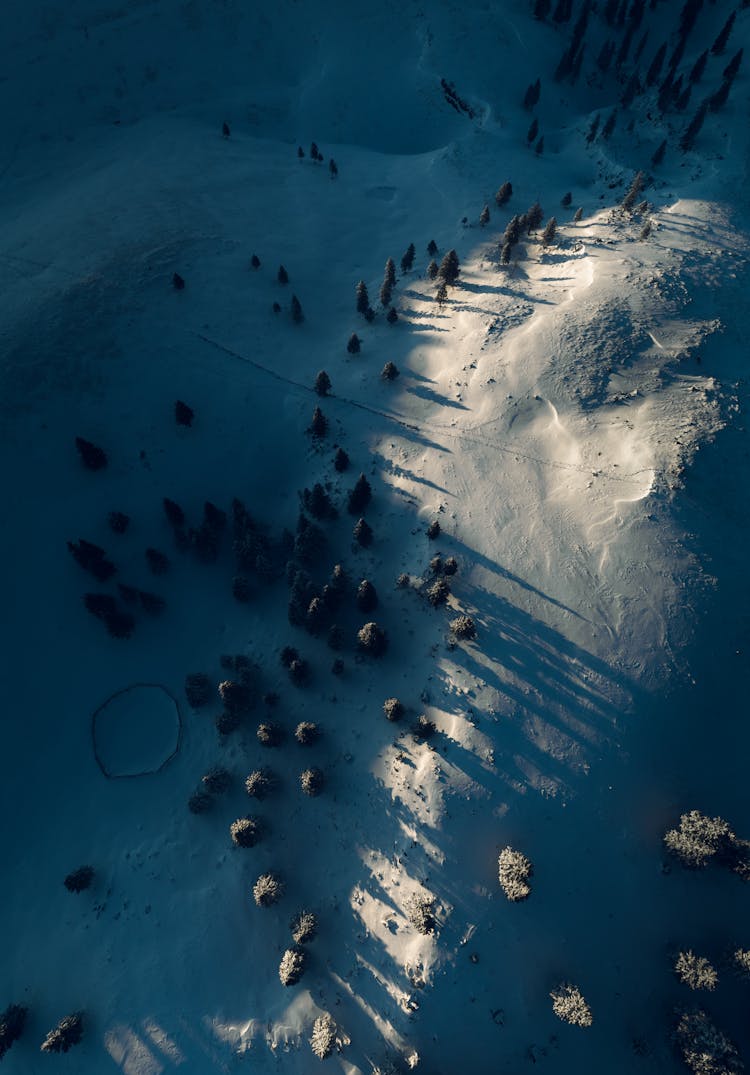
548, 415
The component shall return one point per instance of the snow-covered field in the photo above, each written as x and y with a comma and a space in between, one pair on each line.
574, 420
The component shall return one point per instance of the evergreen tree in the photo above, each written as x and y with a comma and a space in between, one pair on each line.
282, 275
385, 293
340, 460
549, 232
432, 248
390, 272
12, 1023
721, 41
408, 259
505, 253
360, 496
296, 309
255, 261
441, 295
315, 152
353, 345
634, 190
684, 99
534, 217
449, 268
664, 100
566, 200
319, 423
432, 270
67, 1033
632, 89
362, 533
578, 215
300, 152
363, 300
505, 192
610, 11
512, 232
389, 371
322, 383
484, 216
533, 130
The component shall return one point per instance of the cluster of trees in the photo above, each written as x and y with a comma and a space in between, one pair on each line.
67, 1033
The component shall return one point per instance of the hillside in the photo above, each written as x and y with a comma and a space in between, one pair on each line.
573, 419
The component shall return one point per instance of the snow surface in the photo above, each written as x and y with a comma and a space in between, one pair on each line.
575, 421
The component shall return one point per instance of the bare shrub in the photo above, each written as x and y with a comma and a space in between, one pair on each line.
393, 709
323, 1040
268, 889
312, 781
705, 1049
514, 871
304, 927
292, 966
245, 831
695, 971
420, 910
568, 1004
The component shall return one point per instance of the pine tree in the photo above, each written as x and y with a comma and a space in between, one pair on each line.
353, 345
296, 309
441, 295
385, 293
178, 282
363, 300
533, 130
300, 152
432, 270
484, 216
512, 232
566, 200
578, 215
79, 880
390, 272
548, 234
505, 192
634, 190
721, 41
322, 383
314, 151
534, 217
282, 275
67, 1033
505, 253
408, 259
362, 533
389, 371
360, 496
255, 261
340, 460
449, 268
319, 423
432, 248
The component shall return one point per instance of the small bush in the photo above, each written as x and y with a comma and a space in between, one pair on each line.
12, 1023
568, 1004
217, 780
79, 879
323, 1040
705, 1049
306, 733
92, 456
695, 971
67, 1033
198, 689
514, 870
292, 966
463, 627
304, 927
312, 781
424, 728
372, 639
261, 783
393, 709
437, 592
200, 802
362, 533
389, 371
245, 831
267, 890
270, 734
420, 910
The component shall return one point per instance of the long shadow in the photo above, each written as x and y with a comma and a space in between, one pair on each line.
434, 397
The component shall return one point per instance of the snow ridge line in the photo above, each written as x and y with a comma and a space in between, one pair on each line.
401, 420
